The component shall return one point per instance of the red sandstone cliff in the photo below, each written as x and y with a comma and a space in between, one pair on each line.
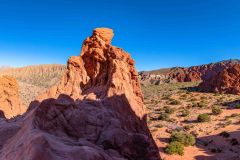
10, 103
226, 81
95, 113
190, 74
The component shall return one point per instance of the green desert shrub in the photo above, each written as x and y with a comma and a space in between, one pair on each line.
168, 110
185, 113
203, 117
174, 102
187, 127
237, 106
216, 110
201, 104
164, 116
175, 148
184, 138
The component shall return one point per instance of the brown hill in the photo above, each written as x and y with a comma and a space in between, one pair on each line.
226, 81
34, 80
96, 112
180, 74
39, 75
10, 103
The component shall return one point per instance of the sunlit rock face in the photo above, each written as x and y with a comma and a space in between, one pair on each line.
10, 103
96, 112
189, 74
226, 81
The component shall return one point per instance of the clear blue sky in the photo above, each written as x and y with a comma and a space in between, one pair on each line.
157, 33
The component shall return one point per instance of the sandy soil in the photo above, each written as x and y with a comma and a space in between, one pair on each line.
209, 144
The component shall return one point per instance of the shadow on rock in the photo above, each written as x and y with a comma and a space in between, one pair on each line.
64, 128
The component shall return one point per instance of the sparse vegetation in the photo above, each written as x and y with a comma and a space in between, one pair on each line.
178, 140
174, 102
196, 106
175, 148
203, 117
187, 127
184, 138
216, 110
237, 106
168, 110
164, 116
201, 104
185, 113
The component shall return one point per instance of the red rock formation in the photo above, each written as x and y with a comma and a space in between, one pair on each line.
190, 74
226, 81
10, 103
95, 113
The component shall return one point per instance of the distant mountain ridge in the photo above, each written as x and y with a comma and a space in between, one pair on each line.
4, 67
39, 75
185, 74
34, 80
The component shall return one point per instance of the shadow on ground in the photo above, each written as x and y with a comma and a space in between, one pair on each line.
217, 147
214, 147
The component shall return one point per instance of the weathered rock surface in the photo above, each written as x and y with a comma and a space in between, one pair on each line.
96, 112
191, 74
226, 81
10, 103
34, 80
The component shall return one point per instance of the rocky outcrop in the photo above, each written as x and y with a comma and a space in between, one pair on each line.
96, 112
226, 81
191, 74
10, 103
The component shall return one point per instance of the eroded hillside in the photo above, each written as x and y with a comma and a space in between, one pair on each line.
34, 80
185, 74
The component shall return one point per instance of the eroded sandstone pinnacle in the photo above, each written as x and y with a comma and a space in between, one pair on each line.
105, 34
96, 112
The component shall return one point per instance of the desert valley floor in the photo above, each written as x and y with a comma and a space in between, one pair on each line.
168, 106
